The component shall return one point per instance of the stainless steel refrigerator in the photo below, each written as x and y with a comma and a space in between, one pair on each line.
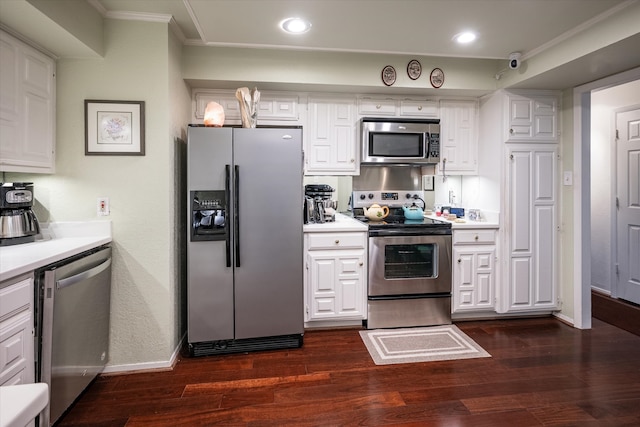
244, 249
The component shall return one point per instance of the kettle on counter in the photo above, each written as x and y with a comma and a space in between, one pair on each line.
376, 212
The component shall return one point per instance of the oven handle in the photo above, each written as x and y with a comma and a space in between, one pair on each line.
413, 232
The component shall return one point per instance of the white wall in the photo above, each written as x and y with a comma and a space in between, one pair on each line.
603, 167
141, 64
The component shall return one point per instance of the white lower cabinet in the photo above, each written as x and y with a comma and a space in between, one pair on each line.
16, 331
474, 270
335, 276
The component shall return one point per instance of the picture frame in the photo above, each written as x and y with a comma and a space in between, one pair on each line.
414, 69
436, 78
114, 128
427, 183
388, 75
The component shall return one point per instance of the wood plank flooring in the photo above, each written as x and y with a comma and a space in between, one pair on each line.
542, 372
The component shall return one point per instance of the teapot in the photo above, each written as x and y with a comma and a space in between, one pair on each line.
413, 212
376, 212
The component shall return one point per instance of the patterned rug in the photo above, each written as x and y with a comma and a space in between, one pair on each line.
410, 345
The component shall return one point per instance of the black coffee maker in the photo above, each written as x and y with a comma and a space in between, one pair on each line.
319, 207
18, 223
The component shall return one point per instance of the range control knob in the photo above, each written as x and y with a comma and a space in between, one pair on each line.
370, 195
408, 196
362, 197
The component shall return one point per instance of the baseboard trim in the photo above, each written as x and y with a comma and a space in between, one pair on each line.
616, 312
160, 365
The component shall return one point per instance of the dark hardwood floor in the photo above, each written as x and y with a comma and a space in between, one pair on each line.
542, 372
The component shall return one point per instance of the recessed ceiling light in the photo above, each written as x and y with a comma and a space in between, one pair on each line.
295, 25
465, 37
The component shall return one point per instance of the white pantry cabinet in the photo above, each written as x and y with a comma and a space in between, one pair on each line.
458, 137
531, 117
330, 137
335, 276
474, 270
17, 331
27, 108
531, 228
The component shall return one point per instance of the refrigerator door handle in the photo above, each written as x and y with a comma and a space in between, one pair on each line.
236, 214
227, 193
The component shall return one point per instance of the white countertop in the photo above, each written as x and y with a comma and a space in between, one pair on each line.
21, 403
342, 223
467, 224
61, 240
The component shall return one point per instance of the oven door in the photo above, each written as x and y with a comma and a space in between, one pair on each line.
409, 265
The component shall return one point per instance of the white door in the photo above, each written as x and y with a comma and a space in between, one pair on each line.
628, 257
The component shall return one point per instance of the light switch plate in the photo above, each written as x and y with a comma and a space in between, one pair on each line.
567, 178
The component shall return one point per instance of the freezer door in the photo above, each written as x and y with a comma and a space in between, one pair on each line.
268, 273
209, 275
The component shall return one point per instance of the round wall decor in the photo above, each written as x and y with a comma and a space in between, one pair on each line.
388, 75
414, 69
437, 77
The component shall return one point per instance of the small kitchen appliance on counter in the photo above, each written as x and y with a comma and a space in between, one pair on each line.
18, 222
319, 207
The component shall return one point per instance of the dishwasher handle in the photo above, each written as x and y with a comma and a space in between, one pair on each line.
69, 281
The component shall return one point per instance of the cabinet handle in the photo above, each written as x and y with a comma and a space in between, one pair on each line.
476, 238
459, 260
378, 106
419, 107
337, 242
511, 131
511, 157
353, 160
361, 263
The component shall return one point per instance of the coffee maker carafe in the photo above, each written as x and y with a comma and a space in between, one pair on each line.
319, 207
18, 222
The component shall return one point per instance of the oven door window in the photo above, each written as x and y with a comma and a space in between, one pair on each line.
388, 144
410, 261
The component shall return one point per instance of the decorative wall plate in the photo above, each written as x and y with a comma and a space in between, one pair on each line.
437, 77
414, 69
388, 75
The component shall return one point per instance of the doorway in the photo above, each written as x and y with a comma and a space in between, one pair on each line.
582, 212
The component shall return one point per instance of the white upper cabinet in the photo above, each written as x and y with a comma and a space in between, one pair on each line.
458, 137
27, 108
330, 137
531, 117
397, 107
274, 108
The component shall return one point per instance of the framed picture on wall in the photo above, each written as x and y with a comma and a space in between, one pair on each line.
114, 127
427, 183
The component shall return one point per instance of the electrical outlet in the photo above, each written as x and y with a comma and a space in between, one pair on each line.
103, 206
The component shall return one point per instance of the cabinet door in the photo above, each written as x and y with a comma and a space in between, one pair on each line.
387, 107
458, 137
418, 108
27, 113
273, 108
16, 333
531, 282
473, 278
532, 118
336, 284
331, 143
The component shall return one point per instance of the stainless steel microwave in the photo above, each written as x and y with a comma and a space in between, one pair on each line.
404, 141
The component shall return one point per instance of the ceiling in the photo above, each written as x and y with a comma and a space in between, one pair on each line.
417, 27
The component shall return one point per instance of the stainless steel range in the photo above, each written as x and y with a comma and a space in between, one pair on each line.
409, 263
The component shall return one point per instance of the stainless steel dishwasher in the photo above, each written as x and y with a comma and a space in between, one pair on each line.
72, 326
